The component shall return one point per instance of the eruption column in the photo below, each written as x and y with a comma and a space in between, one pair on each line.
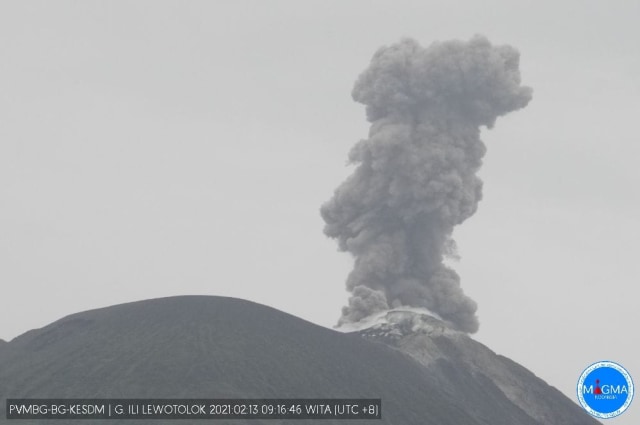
416, 173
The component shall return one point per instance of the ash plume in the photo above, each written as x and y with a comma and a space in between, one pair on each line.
415, 178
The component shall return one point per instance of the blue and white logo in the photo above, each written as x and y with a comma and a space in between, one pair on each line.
605, 389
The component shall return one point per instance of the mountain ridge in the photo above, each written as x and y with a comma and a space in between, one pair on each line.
217, 347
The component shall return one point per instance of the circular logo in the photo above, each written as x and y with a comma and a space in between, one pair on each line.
605, 389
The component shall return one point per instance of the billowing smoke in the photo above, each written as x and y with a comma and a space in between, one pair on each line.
416, 173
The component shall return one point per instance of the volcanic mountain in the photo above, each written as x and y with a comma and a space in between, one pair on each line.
214, 347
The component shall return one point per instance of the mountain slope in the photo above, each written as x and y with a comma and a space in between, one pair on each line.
468, 370
212, 347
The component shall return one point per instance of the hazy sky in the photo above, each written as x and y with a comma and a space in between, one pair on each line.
159, 148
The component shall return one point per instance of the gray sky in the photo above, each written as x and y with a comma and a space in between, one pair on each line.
161, 148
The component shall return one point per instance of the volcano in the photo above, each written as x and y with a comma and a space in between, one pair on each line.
215, 347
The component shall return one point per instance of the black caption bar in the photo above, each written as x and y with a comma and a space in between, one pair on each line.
194, 408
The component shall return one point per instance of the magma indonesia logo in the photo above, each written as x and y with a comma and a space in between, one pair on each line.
605, 389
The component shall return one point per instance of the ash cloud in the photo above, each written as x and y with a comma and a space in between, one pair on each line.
415, 178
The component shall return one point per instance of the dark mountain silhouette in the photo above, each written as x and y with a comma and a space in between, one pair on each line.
213, 347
